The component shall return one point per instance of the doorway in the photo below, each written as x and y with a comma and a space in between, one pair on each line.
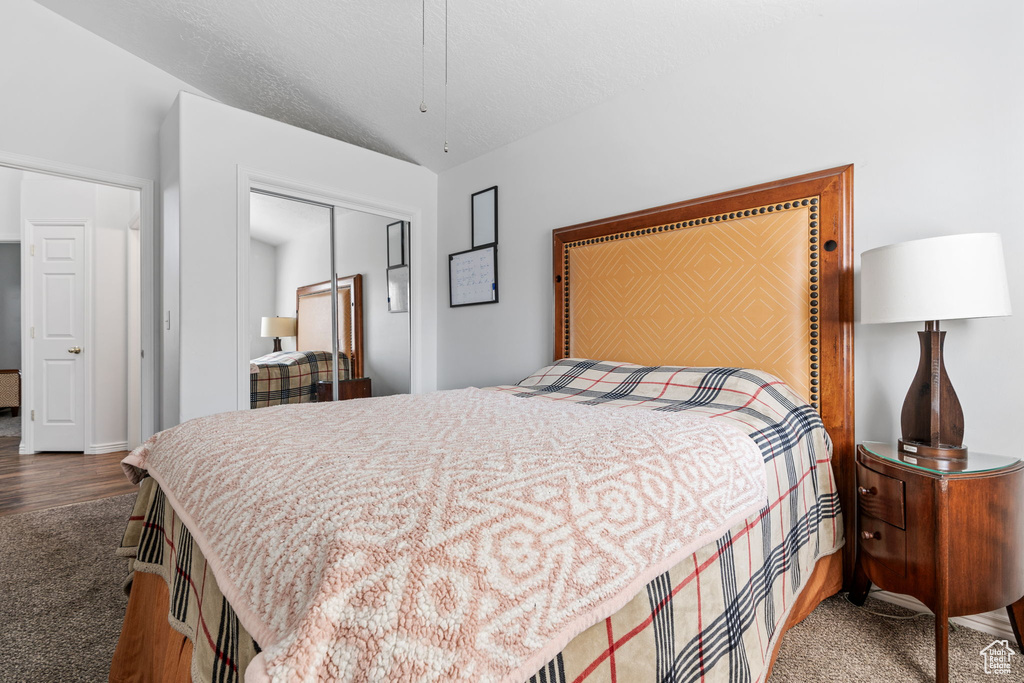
79, 336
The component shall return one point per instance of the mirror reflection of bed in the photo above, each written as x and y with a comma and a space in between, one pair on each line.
307, 373
290, 259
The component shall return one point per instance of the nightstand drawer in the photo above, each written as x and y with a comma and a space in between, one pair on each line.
884, 542
880, 496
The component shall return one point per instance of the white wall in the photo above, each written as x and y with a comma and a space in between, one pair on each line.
361, 247
110, 313
168, 313
72, 97
10, 204
262, 294
109, 211
926, 103
217, 140
305, 259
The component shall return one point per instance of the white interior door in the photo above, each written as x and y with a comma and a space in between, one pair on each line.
58, 322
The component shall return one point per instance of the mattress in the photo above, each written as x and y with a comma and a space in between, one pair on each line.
714, 615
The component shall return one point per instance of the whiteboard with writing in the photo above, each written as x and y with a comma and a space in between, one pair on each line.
473, 276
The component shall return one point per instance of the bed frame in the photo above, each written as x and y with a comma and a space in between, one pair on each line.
768, 273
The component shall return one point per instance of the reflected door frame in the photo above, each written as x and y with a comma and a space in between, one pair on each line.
252, 179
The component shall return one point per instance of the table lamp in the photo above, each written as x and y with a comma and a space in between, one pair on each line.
277, 328
941, 278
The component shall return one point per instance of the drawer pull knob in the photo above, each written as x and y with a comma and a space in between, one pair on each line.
867, 492
870, 535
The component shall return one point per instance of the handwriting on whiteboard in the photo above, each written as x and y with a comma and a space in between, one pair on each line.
472, 276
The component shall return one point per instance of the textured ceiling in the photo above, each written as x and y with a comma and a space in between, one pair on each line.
352, 70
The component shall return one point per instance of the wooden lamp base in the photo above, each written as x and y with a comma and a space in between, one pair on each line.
925, 450
932, 420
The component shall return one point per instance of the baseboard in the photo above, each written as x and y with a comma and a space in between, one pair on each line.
23, 449
101, 448
994, 623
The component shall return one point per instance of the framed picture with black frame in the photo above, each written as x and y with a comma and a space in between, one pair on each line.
473, 276
396, 244
484, 205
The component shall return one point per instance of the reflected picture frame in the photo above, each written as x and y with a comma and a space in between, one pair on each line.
484, 224
396, 244
398, 289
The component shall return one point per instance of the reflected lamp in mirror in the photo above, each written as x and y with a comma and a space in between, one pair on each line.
929, 280
277, 328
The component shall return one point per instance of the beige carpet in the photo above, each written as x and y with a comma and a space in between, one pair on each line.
61, 602
61, 608
840, 642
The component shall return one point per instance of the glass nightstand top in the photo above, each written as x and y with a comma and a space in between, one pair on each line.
976, 462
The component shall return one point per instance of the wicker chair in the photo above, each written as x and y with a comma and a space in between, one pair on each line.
10, 390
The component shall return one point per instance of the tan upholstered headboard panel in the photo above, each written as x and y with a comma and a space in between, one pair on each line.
760, 277
314, 323
735, 292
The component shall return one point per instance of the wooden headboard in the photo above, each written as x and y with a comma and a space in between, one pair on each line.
760, 277
313, 319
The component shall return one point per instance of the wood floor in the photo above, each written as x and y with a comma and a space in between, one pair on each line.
46, 480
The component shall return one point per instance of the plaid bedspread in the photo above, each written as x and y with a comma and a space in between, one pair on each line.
714, 616
291, 376
155, 541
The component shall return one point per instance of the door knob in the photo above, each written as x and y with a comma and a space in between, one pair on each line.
75, 349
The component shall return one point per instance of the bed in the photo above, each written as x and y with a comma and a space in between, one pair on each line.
285, 377
626, 289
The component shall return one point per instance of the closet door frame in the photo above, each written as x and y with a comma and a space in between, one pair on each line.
250, 180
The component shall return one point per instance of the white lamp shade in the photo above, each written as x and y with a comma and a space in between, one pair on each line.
941, 278
278, 327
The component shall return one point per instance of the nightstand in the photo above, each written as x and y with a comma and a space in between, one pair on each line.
952, 539
347, 388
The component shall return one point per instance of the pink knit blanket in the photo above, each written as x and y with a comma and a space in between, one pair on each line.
460, 535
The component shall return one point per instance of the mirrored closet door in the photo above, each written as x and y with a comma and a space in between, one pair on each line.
314, 337
362, 246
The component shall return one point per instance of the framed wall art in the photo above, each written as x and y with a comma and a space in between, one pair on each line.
473, 277
398, 289
396, 244
484, 205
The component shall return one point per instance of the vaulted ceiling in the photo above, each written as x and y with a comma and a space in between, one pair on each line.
353, 70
